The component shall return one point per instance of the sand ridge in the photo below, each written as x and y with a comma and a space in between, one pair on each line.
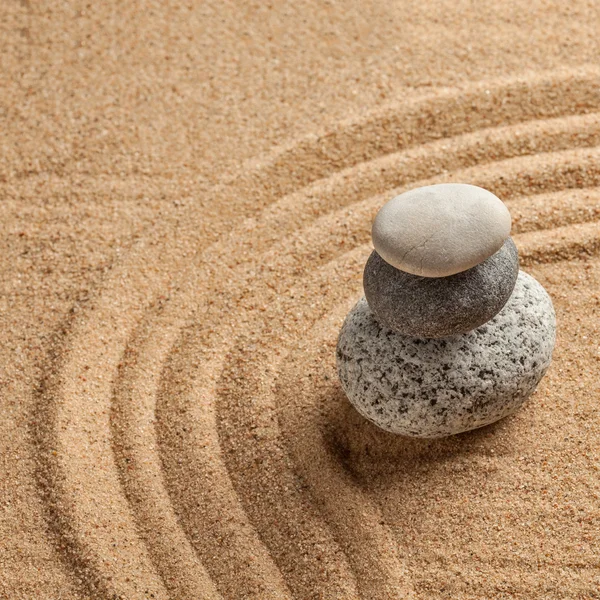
189, 434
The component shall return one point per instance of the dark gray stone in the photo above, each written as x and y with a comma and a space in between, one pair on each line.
436, 307
437, 387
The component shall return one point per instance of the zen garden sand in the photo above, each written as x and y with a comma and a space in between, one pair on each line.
187, 198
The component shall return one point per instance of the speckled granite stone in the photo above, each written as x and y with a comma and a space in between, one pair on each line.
435, 307
437, 387
439, 230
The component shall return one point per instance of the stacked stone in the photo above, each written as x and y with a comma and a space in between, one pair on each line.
450, 336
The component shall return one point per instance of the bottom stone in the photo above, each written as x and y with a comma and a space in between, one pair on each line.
438, 387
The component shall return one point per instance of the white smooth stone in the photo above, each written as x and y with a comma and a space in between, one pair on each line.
440, 230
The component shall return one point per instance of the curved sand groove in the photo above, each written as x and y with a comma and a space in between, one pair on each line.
371, 551
513, 177
554, 209
540, 173
85, 489
484, 105
579, 240
386, 175
94, 519
183, 448
201, 504
134, 445
276, 502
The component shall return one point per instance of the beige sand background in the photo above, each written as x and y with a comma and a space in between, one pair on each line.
186, 194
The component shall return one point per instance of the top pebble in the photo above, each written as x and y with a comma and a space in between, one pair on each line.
440, 230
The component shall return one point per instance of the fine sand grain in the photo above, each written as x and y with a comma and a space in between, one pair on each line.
187, 191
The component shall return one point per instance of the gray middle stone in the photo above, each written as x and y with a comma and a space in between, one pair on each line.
437, 307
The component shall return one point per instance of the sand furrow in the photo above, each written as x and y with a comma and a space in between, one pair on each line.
356, 523
483, 105
93, 520
401, 170
140, 467
555, 209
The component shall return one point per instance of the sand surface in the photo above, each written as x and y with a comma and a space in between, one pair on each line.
186, 193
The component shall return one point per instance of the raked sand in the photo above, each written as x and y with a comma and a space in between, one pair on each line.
186, 195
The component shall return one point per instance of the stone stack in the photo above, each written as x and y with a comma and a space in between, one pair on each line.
450, 336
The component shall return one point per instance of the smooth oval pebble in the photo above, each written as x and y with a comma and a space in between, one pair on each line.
436, 307
439, 387
440, 230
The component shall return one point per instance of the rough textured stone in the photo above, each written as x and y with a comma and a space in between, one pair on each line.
435, 307
440, 230
438, 387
